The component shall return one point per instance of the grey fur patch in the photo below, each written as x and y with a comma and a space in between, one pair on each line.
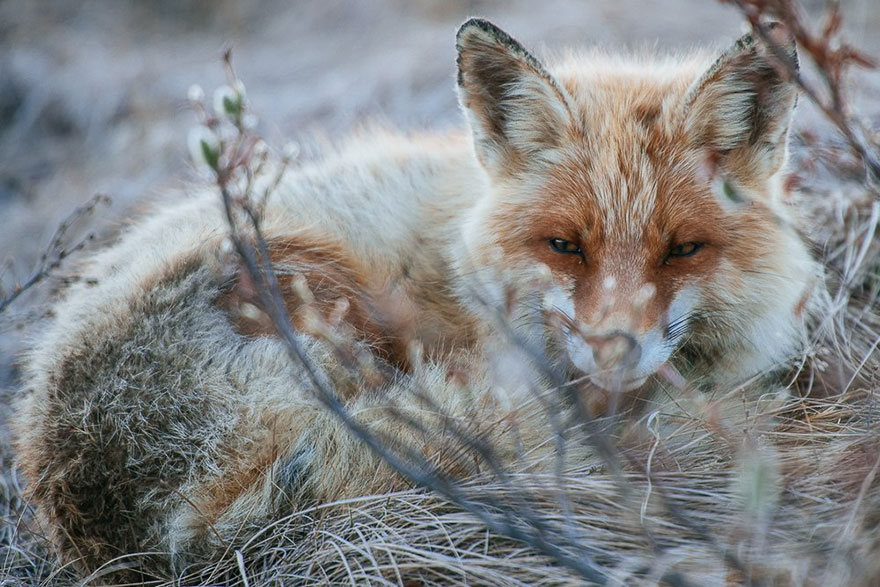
292, 473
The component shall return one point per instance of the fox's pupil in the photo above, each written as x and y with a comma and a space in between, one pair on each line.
563, 246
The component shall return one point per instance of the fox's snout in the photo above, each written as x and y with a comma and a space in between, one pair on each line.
614, 350
627, 342
617, 360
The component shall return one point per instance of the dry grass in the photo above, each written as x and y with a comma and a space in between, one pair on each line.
773, 484
818, 531
798, 507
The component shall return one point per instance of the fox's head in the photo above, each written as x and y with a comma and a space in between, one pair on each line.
651, 191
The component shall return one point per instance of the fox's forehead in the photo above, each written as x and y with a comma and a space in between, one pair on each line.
612, 187
627, 181
628, 156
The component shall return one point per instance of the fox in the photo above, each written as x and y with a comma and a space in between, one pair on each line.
623, 214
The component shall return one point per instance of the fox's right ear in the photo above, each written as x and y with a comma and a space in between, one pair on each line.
518, 113
742, 106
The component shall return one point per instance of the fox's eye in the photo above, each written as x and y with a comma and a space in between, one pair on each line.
563, 246
685, 249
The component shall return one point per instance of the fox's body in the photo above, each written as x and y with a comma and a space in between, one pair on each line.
625, 214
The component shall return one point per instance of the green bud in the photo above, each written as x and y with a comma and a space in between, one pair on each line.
229, 102
204, 147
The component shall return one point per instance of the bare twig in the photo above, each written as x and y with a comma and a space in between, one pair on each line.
59, 249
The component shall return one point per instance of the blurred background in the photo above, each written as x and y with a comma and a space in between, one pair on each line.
93, 92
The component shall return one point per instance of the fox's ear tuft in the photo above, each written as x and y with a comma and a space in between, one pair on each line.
518, 113
741, 107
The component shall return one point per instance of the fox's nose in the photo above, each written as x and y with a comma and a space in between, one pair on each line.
615, 350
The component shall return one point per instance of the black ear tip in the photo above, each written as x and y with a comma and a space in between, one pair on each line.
475, 23
776, 36
476, 28
769, 36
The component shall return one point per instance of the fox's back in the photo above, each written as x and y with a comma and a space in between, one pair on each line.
383, 197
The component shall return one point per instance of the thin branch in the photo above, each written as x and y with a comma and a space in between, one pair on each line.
58, 250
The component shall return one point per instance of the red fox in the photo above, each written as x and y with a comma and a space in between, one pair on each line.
636, 201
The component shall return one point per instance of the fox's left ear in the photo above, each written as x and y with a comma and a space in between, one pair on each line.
742, 106
518, 113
